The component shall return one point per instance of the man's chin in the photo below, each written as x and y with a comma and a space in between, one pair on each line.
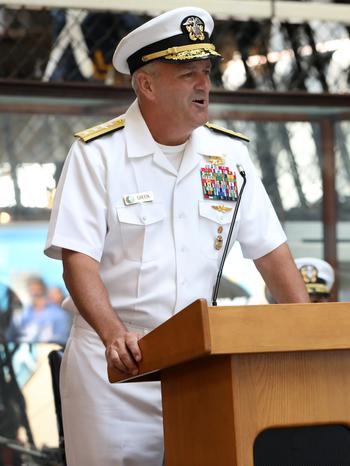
200, 117
200, 120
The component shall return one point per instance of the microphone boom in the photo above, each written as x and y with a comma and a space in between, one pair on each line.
228, 239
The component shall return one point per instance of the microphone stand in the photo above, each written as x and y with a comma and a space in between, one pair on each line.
228, 239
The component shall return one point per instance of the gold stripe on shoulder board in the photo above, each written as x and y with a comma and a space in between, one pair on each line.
99, 130
228, 132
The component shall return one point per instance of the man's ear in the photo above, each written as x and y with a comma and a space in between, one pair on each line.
146, 85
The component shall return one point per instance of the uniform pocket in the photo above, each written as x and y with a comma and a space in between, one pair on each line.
214, 223
140, 227
136, 328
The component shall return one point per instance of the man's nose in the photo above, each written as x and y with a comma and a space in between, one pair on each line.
202, 82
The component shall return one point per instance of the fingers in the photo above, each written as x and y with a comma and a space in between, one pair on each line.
124, 353
133, 346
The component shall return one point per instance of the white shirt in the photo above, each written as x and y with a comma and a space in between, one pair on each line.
156, 257
173, 153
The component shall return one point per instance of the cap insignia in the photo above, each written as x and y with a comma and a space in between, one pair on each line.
309, 273
194, 26
314, 284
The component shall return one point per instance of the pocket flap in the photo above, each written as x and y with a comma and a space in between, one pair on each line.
216, 213
141, 214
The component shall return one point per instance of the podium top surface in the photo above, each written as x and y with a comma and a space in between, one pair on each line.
200, 330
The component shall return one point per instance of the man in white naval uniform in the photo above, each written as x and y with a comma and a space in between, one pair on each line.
140, 231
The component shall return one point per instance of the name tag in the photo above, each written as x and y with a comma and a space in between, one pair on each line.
137, 198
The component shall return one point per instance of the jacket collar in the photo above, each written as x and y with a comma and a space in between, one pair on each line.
139, 140
207, 144
140, 143
199, 145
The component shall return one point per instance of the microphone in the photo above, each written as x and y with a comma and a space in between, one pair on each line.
228, 239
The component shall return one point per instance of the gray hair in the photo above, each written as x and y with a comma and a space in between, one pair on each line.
150, 68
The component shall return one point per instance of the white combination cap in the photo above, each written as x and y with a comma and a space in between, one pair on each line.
317, 274
177, 36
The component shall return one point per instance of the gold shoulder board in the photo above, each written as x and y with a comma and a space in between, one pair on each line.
228, 132
99, 130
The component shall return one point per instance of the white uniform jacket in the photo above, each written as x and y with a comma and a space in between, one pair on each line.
155, 258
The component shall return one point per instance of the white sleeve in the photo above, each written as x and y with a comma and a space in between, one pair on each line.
78, 219
260, 231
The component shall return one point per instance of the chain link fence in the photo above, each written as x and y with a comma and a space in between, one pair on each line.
65, 45
77, 45
34, 147
286, 154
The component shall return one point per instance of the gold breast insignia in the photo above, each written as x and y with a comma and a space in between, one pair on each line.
221, 208
217, 160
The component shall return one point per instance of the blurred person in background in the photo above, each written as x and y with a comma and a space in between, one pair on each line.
10, 304
40, 320
318, 276
55, 295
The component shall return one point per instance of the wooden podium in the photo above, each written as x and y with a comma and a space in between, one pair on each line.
228, 373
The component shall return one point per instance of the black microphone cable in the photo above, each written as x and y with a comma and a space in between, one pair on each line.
228, 239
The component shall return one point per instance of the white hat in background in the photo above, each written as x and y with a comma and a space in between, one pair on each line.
317, 274
177, 36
